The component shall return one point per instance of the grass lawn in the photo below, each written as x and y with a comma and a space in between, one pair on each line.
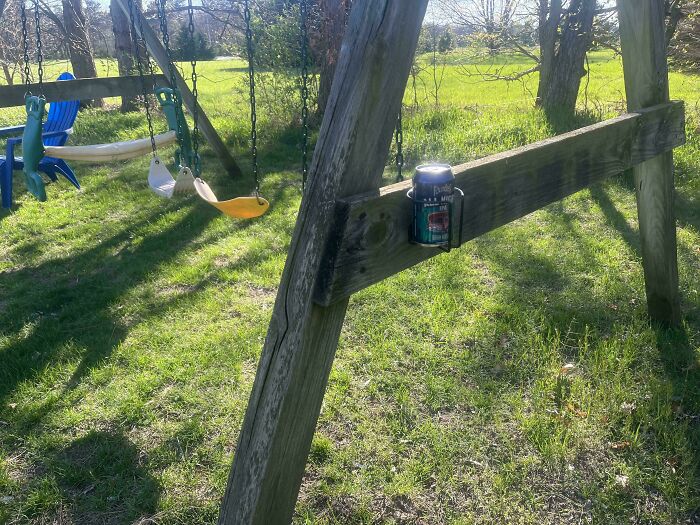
515, 380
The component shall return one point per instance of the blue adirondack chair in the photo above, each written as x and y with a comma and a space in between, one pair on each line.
57, 127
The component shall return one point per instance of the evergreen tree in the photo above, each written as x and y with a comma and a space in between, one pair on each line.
185, 49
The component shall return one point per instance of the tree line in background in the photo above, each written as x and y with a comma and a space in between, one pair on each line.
554, 35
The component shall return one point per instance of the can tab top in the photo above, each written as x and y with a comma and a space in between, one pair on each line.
434, 169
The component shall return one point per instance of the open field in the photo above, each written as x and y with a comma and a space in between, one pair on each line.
515, 380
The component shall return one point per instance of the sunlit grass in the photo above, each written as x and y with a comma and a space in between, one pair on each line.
515, 380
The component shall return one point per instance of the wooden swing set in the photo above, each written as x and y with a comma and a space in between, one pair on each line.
350, 233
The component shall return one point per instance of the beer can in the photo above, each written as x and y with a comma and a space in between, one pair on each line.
432, 195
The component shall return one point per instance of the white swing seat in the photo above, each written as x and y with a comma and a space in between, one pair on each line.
128, 149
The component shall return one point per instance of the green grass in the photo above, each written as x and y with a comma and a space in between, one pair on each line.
516, 380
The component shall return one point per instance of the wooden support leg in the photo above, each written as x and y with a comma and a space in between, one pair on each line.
302, 338
654, 187
642, 34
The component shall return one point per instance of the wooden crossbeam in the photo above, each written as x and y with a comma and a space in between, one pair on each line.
78, 89
371, 230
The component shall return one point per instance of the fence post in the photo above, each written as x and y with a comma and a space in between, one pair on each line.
643, 41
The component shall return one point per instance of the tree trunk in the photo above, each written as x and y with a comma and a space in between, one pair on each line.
5, 68
8, 75
3, 61
332, 28
563, 65
124, 50
78, 42
549, 16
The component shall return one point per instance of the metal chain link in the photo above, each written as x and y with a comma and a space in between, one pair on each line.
399, 147
160, 4
133, 12
303, 16
195, 109
251, 77
25, 46
39, 47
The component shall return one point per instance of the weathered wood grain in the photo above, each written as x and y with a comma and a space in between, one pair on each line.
372, 229
79, 89
160, 55
642, 36
349, 158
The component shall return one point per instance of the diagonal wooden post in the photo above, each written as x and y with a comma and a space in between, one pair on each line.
642, 35
157, 51
350, 155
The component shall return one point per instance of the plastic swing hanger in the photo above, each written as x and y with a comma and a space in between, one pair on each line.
162, 182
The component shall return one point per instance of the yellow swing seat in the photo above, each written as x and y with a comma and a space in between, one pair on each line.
238, 208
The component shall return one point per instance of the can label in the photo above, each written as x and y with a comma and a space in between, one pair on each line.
432, 198
432, 223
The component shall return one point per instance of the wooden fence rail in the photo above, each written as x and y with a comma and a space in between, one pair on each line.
371, 232
79, 89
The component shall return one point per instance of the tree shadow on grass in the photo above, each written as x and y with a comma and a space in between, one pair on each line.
68, 309
530, 293
79, 299
71, 301
71, 305
681, 363
678, 355
686, 215
104, 477
562, 122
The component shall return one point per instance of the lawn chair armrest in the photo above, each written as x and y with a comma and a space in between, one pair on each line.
12, 130
18, 140
57, 134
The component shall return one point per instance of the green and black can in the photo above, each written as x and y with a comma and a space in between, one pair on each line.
432, 195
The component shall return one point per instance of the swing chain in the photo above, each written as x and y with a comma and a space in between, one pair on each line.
251, 77
39, 47
133, 12
399, 147
25, 46
195, 109
160, 5
303, 10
